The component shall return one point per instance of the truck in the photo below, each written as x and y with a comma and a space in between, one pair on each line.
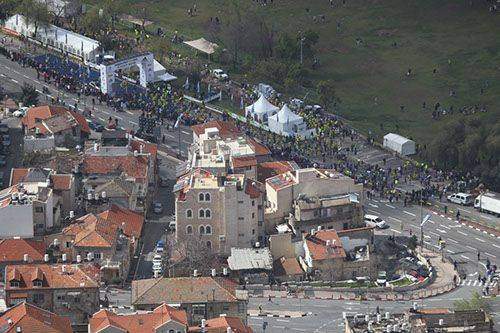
488, 202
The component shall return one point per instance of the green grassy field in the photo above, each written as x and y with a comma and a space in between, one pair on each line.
460, 41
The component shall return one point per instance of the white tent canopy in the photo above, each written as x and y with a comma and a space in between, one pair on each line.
285, 115
202, 45
261, 110
399, 144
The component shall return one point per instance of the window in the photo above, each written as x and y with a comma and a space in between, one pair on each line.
253, 203
199, 309
189, 230
253, 215
208, 230
14, 284
253, 231
241, 307
241, 218
208, 213
38, 209
97, 255
202, 230
225, 307
189, 214
201, 197
259, 223
68, 244
207, 196
37, 283
209, 244
38, 298
201, 214
171, 331
240, 201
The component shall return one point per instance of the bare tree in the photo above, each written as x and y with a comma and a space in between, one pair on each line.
35, 12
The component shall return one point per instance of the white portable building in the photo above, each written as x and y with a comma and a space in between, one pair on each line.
261, 110
399, 144
287, 123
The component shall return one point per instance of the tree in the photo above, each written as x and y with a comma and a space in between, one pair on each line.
29, 95
412, 242
95, 22
143, 14
286, 47
112, 7
475, 303
326, 92
35, 12
7, 7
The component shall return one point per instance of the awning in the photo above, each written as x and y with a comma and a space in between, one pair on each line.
202, 45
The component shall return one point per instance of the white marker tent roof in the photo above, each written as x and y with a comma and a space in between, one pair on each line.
261, 109
202, 45
285, 115
399, 144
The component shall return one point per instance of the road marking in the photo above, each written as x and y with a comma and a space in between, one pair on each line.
129, 112
375, 200
394, 230
39, 91
481, 240
170, 136
489, 254
431, 222
105, 112
118, 117
464, 257
470, 247
101, 119
283, 320
404, 211
462, 233
452, 240
395, 219
373, 211
475, 283
466, 210
133, 122
390, 206
185, 132
14, 80
435, 234
427, 236
441, 230
373, 205
450, 251
443, 226
497, 246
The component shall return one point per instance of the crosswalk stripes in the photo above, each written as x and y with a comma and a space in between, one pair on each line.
476, 283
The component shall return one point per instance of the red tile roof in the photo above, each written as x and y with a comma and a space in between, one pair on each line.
287, 266
16, 174
45, 111
92, 231
138, 322
226, 128
148, 147
243, 161
130, 221
258, 148
136, 167
75, 276
61, 182
33, 319
281, 181
13, 250
251, 189
267, 170
319, 250
220, 325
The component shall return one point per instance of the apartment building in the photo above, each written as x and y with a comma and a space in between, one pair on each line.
67, 290
25, 317
219, 211
313, 197
163, 319
63, 185
28, 209
107, 239
201, 297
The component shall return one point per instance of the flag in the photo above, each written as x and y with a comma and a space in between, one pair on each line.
178, 121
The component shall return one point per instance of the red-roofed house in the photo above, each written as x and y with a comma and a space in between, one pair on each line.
163, 319
12, 252
342, 255
68, 290
223, 324
56, 121
267, 170
109, 238
220, 212
25, 317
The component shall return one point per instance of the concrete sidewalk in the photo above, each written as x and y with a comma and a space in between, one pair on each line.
276, 313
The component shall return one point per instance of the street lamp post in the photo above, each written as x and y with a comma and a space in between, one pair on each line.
422, 223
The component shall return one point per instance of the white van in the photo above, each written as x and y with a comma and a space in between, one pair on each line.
463, 199
375, 221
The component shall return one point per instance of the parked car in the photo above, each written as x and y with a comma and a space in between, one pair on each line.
220, 74
375, 221
172, 225
157, 207
157, 259
96, 126
382, 278
160, 246
463, 199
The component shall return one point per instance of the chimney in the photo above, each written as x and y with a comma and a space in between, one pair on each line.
25, 257
387, 316
89, 196
103, 194
56, 242
96, 147
327, 242
441, 322
195, 273
214, 272
203, 323
64, 257
63, 269
90, 256
46, 257
96, 196
19, 329
71, 214
229, 330
367, 317
136, 153
78, 258
313, 231
224, 271
9, 321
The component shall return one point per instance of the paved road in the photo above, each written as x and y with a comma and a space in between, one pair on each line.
13, 76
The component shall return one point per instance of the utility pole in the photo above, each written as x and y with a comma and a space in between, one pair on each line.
301, 47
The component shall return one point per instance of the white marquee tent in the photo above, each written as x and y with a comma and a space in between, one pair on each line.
286, 122
399, 144
261, 110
